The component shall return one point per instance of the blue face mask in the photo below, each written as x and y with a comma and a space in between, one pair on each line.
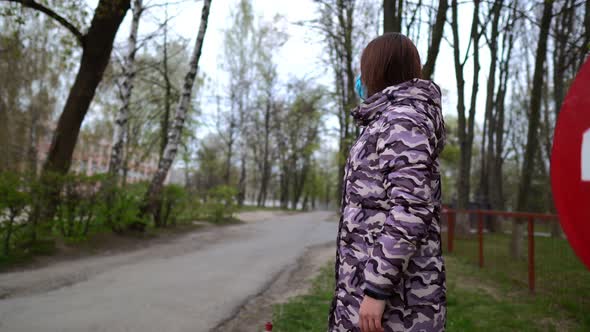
360, 88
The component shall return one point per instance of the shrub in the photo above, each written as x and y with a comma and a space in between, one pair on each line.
119, 207
221, 204
78, 204
174, 199
14, 200
192, 209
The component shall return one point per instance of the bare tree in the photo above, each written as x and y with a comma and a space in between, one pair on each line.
392, 15
337, 25
533, 127
120, 132
437, 31
497, 148
489, 126
152, 197
465, 124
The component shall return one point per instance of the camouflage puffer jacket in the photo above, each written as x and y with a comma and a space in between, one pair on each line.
389, 244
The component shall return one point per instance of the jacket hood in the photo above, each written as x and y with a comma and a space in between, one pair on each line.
414, 89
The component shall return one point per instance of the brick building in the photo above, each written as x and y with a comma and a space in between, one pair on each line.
92, 156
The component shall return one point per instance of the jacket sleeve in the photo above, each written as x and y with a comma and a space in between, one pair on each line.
405, 157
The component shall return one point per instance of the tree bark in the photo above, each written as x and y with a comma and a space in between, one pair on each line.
120, 130
266, 156
153, 194
465, 125
242, 181
165, 120
497, 190
561, 53
392, 15
560, 56
487, 159
437, 34
345, 20
533, 127
586, 45
98, 44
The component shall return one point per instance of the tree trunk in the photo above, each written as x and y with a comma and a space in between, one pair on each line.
487, 157
586, 45
392, 16
465, 125
534, 118
497, 190
33, 140
475, 36
266, 157
437, 34
345, 19
284, 195
230, 144
98, 44
120, 130
562, 31
165, 120
242, 181
153, 194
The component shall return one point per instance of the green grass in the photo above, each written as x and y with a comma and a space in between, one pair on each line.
307, 312
559, 274
495, 298
477, 302
250, 208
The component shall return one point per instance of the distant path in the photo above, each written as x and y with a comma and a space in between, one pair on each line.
191, 284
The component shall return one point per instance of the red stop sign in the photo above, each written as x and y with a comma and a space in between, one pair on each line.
570, 165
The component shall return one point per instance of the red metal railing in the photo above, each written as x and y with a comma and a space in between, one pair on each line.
530, 217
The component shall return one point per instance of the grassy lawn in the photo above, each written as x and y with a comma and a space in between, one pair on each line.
495, 298
250, 208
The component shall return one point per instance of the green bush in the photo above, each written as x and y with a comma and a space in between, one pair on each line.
221, 204
78, 204
14, 200
119, 207
174, 198
192, 209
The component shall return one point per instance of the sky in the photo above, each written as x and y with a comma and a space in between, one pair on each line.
302, 53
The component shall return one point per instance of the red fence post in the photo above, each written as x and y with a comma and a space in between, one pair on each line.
480, 236
531, 235
451, 230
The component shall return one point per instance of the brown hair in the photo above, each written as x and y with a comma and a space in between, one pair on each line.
388, 60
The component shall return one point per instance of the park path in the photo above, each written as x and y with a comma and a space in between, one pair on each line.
189, 285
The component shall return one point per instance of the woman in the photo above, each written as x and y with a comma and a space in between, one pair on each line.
390, 274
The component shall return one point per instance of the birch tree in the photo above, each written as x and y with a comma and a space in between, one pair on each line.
152, 197
120, 130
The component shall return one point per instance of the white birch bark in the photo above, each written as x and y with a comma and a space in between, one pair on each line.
120, 130
175, 132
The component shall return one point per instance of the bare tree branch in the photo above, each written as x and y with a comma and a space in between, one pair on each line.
52, 14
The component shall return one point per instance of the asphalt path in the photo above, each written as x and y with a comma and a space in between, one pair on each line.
190, 285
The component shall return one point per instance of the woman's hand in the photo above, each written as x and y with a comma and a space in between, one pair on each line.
371, 313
